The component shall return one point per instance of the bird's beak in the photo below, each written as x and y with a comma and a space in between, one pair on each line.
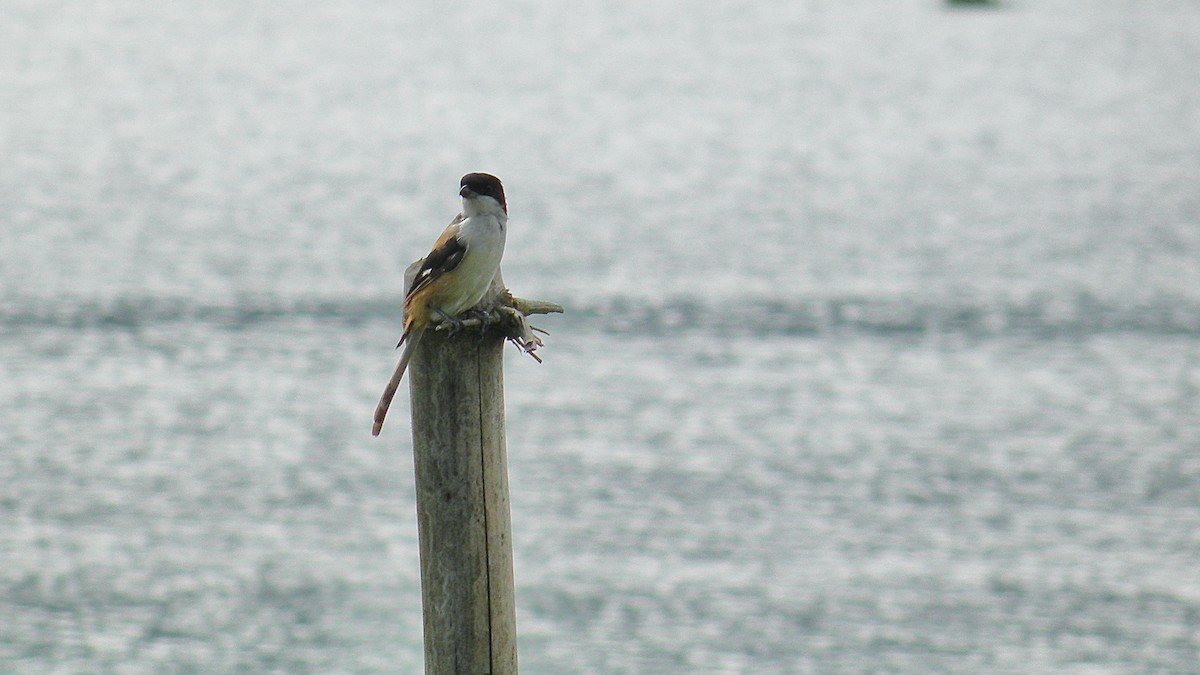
466, 192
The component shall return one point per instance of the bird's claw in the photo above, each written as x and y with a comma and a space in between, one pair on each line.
453, 324
485, 319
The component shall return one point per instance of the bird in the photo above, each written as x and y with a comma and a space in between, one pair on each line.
455, 275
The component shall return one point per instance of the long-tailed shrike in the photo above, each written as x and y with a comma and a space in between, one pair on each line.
456, 273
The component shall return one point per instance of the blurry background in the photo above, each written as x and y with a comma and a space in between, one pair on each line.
882, 348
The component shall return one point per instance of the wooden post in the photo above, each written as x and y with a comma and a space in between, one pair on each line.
464, 524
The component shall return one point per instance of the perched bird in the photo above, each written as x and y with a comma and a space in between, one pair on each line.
456, 273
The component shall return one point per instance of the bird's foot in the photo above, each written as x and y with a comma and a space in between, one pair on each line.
484, 317
453, 324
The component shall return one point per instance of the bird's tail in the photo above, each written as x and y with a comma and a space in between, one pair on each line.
389, 392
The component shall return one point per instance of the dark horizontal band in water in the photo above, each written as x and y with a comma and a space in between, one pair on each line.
1045, 315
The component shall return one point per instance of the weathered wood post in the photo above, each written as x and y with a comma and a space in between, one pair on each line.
457, 389
456, 385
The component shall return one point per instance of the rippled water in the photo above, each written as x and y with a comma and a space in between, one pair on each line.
882, 349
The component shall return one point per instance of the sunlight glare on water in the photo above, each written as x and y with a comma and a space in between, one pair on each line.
882, 350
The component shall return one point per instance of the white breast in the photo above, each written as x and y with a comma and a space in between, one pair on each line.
483, 235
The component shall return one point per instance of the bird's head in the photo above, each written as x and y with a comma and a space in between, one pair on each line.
482, 193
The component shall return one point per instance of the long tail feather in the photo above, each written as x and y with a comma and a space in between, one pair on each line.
393, 384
